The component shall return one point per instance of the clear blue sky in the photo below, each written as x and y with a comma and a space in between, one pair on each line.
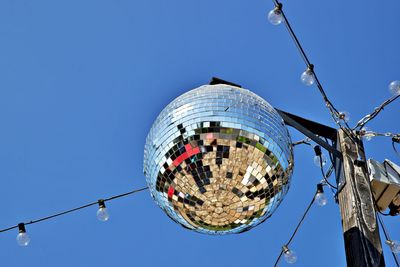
82, 81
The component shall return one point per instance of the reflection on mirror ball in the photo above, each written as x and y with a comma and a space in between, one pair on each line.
218, 159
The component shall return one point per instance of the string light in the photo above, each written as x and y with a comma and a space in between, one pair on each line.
23, 238
289, 255
320, 197
102, 213
308, 77
394, 87
275, 16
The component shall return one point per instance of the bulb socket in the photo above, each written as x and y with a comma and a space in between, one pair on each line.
278, 7
389, 242
102, 203
310, 67
317, 150
320, 188
285, 249
21, 228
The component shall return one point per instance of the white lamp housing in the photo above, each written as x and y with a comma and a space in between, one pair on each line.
385, 183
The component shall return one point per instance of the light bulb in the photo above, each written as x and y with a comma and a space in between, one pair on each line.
23, 238
102, 213
344, 116
307, 77
275, 16
318, 161
394, 246
320, 197
289, 255
366, 133
394, 87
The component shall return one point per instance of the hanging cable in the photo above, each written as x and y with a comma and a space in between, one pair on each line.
386, 233
336, 115
394, 147
71, 210
361, 123
324, 176
286, 246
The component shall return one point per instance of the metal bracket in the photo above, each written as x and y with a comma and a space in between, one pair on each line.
313, 130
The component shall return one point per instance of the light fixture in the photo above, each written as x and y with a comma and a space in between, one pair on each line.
102, 213
394, 87
394, 246
308, 77
366, 134
344, 116
275, 16
320, 197
319, 158
289, 255
23, 238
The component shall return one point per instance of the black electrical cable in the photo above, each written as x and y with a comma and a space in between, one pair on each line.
388, 238
375, 113
330, 154
394, 148
333, 111
323, 173
74, 209
297, 228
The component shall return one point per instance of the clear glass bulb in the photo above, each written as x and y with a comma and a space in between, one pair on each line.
394, 246
275, 16
308, 77
290, 256
394, 87
321, 199
344, 116
317, 160
366, 133
23, 239
102, 214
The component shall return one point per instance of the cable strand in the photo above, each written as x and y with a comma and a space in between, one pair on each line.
74, 209
296, 229
361, 123
386, 233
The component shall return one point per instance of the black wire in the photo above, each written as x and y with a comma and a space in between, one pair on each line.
323, 173
388, 238
394, 148
297, 228
74, 209
330, 154
375, 113
333, 111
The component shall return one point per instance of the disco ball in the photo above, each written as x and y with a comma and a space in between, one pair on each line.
218, 159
